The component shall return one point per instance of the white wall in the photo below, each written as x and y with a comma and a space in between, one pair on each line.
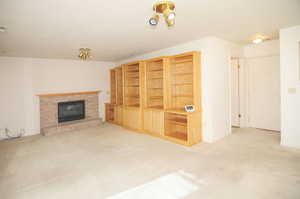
21, 79
290, 86
260, 66
12, 107
216, 87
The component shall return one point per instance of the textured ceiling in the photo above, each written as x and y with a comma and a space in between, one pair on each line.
119, 29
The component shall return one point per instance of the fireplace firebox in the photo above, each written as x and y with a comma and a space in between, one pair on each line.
70, 111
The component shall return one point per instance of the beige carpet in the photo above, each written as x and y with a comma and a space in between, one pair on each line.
110, 162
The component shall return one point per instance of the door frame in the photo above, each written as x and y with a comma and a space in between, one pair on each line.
243, 92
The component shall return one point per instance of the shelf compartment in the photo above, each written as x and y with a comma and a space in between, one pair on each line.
132, 71
181, 74
155, 70
182, 96
183, 84
182, 136
156, 107
133, 96
119, 82
184, 73
156, 88
132, 85
134, 105
176, 126
113, 87
154, 83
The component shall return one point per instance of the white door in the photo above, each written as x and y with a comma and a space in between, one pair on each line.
235, 93
264, 92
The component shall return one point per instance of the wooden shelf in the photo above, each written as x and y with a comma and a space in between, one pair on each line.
182, 96
156, 88
156, 107
177, 135
177, 123
134, 105
182, 61
156, 97
188, 73
132, 77
156, 78
132, 96
179, 111
182, 84
133, 86
132, 71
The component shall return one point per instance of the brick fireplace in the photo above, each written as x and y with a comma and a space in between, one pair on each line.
50, 120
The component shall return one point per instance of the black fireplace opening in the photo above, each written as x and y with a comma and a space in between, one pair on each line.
70, 111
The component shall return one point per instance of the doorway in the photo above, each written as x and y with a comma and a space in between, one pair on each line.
255, 92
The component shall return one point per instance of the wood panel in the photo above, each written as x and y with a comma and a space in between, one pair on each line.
132, 118
148, 120
194, 128
119, 115
153, 121
158, 122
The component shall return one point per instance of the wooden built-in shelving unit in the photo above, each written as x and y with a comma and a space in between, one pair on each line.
151, 96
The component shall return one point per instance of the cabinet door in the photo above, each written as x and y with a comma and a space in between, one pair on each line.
148, 120
132, 118
158, 122
126, 119
119, 115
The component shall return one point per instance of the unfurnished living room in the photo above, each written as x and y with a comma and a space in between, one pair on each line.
150, 99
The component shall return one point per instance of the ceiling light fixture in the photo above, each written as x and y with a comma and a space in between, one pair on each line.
167, 9
257, 41
84, 53
259, 38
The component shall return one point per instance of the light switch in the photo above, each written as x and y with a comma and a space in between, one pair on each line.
292, 90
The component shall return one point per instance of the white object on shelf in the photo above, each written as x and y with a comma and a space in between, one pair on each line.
189, 108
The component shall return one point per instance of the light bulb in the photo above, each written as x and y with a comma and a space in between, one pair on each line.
171, 15
153, 21
257, 41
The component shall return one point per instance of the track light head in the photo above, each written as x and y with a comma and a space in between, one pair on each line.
153, 21
171, 16
170, 22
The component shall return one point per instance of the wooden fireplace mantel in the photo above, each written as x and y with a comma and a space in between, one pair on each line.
67, 94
